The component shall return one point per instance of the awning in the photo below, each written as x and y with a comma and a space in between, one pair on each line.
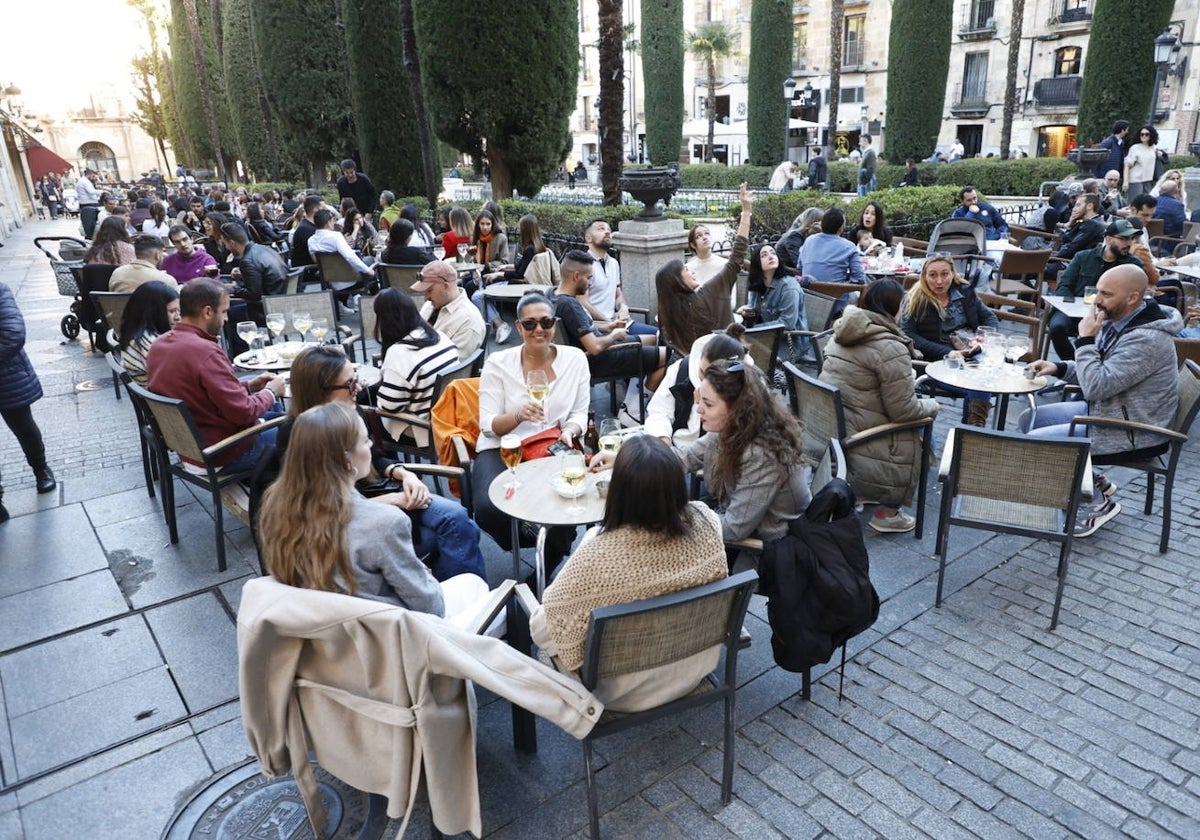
699, 128
43, 161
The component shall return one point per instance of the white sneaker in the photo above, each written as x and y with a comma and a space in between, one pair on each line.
503, 332
1092, 524
898, 523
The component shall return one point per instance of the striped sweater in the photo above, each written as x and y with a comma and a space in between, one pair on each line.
409, 376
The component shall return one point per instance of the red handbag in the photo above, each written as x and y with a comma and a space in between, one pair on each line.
538, 445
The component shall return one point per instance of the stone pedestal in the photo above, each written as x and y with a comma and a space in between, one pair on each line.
645, 248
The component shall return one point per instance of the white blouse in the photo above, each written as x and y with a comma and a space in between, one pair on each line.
502, 391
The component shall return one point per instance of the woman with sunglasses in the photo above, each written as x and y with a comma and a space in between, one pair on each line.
440, 528
316, 532
505, 408
939, 307
1140, 161
414, 354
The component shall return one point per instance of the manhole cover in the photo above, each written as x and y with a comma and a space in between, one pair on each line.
90, 385
242, 804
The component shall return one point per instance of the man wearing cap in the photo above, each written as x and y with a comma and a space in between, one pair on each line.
356, 185
1085, 270
448, 308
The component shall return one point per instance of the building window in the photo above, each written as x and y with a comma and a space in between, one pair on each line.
853, 42
852, 95
1066, 61
800, 45
974, 87
983, 11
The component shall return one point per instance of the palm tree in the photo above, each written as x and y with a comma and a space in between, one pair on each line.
1010, 79
711, 41
837, 24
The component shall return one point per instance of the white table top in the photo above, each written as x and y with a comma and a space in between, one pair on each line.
1072, 309
1190, 271
511, 291
1009, 379
538, 502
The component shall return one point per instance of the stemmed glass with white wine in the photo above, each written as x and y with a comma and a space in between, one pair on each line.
320, 329
246, 331
276, 321
538, 386
610, 436
573, 472
301, 323
510, 453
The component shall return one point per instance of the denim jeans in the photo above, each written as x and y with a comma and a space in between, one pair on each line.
447, 534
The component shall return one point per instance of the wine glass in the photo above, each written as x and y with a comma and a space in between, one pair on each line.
246, 331
462, 251
573, 472
320, 328
610, 436
538, 386
510, 452
301, 323
276, 321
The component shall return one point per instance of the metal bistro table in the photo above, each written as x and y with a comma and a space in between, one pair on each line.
538, 502
511, 292
1076, 308
1007, 381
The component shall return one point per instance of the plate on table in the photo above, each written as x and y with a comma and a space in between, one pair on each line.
275, 357
566, 490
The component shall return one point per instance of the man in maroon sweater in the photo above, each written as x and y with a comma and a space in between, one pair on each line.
187, 364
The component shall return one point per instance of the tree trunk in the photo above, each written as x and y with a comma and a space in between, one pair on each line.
837, 16
206, 96
611, 49
1010, 80
712, 105
412, 64
501, 176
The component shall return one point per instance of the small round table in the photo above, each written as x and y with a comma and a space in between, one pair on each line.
511, 292
1007, 381
536, 501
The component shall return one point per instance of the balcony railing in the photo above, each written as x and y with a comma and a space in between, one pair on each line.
973, 101
978, 20
1057, 92
1075, 11
854, 52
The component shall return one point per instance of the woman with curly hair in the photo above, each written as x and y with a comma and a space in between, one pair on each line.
873, 220
111, 244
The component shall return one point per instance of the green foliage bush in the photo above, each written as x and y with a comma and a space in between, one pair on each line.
919, 208
661, 35
720, 176
989, 175
770, 64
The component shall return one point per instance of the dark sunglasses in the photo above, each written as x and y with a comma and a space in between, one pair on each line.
531, 324
734, 365
350, 385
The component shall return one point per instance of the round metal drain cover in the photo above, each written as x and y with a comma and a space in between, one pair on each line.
242, 804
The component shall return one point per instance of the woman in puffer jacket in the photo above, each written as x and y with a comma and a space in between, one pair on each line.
870, 361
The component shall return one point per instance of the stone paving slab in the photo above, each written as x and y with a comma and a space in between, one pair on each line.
972, 720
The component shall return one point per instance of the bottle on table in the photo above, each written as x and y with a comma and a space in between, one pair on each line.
591, 438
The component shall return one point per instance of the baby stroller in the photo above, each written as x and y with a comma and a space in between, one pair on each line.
71, 202
65, 254
966, 241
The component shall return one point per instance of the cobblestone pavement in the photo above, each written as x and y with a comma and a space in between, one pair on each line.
118, 671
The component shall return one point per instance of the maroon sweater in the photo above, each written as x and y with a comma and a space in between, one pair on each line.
187, 364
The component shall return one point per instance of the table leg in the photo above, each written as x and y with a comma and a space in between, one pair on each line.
524, 723
540, 561
1001, 414
516, 549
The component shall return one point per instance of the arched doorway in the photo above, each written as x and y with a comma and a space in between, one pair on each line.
99, 157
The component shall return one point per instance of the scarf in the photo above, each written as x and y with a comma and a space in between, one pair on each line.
483, 253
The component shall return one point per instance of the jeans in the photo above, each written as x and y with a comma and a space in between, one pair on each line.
638, 328
868, 187
25, 428
446, 533
259, 442
1061, 327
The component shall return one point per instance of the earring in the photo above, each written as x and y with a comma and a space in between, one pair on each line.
350, 468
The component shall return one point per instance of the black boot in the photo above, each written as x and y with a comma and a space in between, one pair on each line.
3, 511
45, 479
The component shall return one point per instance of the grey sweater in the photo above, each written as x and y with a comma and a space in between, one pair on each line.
388, 570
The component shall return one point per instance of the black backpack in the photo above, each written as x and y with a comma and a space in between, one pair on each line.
818, 583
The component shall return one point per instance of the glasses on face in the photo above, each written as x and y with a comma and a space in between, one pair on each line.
351, 385
531, 324
1144, 134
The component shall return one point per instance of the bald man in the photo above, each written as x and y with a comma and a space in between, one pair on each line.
1125, 366
449, 309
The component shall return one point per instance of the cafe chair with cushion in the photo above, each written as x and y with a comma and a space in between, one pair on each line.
819, 407
318, 305
986, 478
1188, 389
111, 306
174, 430
656, 633
142, 413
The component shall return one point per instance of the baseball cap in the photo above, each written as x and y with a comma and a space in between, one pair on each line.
436, 270
1121, 227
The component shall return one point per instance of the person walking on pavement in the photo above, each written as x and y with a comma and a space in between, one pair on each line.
20, 389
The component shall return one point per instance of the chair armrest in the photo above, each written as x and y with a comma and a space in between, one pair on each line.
947, 456
437, 470
1132, 425
490, 608
640, 310
404, 416
526, 600
243, 435
747, 544
460, 450
884, 429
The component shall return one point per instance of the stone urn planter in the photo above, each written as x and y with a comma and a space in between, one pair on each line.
650, 186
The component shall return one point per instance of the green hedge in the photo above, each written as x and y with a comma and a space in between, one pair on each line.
719, 176
989, 175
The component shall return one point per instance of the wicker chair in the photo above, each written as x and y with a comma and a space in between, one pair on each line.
654, 633
174, 430
764, 342
1009, 279
1188, 388
142, 413
393, 276
337, 274
819, 407
319, 305
819, 310
111, 306
986, 477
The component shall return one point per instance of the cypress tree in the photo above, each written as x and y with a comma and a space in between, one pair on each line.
1118, 68
770, 64
513, 101
302, 56
662, 69
916, 82
251, 128
192, 129
383, 109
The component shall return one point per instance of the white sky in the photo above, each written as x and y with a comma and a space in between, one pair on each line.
42, 51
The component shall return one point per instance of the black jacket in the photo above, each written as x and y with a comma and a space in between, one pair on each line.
817, 581
263, 273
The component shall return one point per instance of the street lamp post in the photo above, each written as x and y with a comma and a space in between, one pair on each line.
789, 89
1164, 46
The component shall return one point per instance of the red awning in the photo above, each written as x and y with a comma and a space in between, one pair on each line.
42, 161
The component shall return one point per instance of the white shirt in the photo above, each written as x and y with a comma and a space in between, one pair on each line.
606, 279
161, 231
705, 270
86, 191
460, 321
326, 241
502, 391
